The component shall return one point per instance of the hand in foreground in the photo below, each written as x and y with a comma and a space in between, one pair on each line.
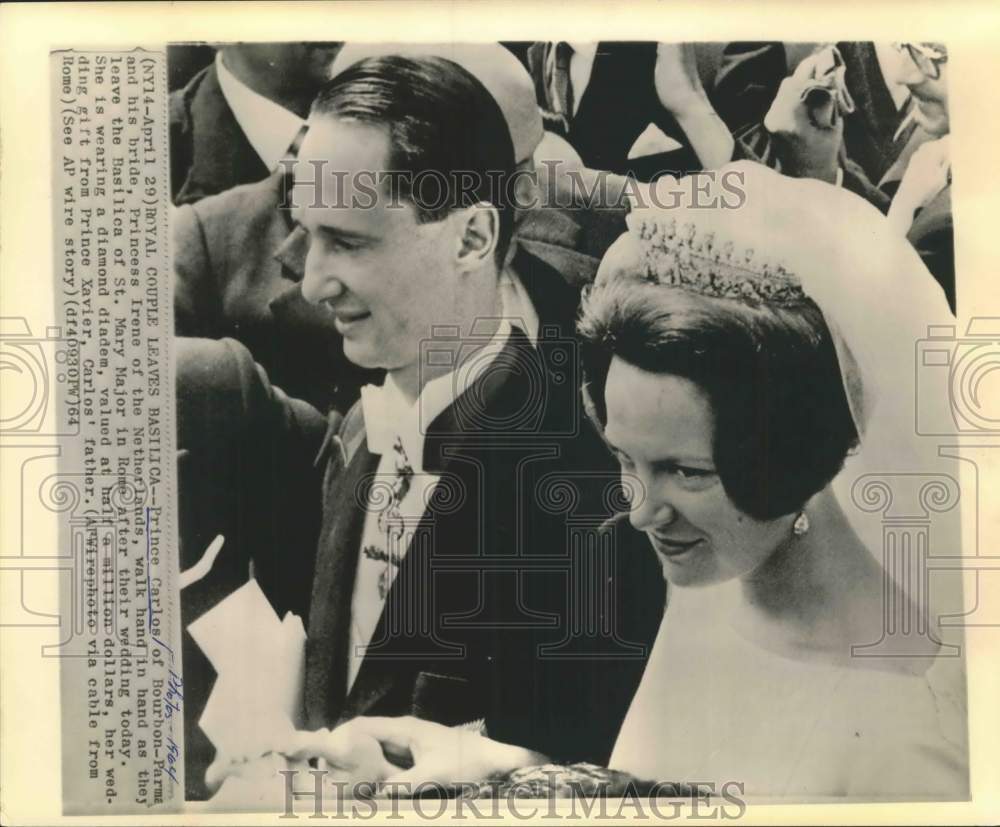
251, 784
807, 116
423, 752
351, 756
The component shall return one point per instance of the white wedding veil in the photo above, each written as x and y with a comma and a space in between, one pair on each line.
750, 232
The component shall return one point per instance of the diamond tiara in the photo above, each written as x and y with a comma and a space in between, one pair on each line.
680, 256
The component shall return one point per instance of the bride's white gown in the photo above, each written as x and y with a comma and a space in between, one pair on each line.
713, 707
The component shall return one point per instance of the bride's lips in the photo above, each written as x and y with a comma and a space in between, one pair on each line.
672, 547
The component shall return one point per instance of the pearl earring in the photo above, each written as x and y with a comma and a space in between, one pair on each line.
801, 524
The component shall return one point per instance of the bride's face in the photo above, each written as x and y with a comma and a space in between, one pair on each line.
660, 427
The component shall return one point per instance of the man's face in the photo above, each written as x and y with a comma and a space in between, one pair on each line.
926, 78
385, 277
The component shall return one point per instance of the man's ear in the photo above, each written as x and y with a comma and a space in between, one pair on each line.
479, 234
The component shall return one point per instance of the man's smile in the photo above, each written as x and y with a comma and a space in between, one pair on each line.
345, 319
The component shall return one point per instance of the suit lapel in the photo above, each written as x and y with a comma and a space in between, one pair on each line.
221, 155
537, 54
500, 389
871, 130
333, 585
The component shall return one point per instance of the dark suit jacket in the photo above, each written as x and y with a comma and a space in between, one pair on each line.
247, 466
493, 613
209, 152
870, 131
246, 471
746, 82
478, 623
620, 101
238, 264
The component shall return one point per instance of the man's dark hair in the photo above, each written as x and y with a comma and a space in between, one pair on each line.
450, 146
782, 423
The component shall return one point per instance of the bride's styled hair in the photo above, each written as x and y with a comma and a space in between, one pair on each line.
782, 424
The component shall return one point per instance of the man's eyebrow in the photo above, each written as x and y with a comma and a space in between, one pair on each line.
339, 232
342, 232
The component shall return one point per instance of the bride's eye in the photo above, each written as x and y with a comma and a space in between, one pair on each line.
693, 478
687, 473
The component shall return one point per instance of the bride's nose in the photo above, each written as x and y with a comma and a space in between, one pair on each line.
649, 509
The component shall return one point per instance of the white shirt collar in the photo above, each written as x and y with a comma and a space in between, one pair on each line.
389, 414
269, 127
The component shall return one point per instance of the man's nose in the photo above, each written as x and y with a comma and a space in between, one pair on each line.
318, 284
649, 508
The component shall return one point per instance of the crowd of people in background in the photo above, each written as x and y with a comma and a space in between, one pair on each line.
733, 388
872, 118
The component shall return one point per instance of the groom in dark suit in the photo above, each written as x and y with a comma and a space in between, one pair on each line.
238, 259
459, 574
444, 584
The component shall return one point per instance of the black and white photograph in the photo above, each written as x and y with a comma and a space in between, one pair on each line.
513, 382
438, 423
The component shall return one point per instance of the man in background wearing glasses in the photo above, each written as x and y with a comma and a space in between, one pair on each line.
921, 207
